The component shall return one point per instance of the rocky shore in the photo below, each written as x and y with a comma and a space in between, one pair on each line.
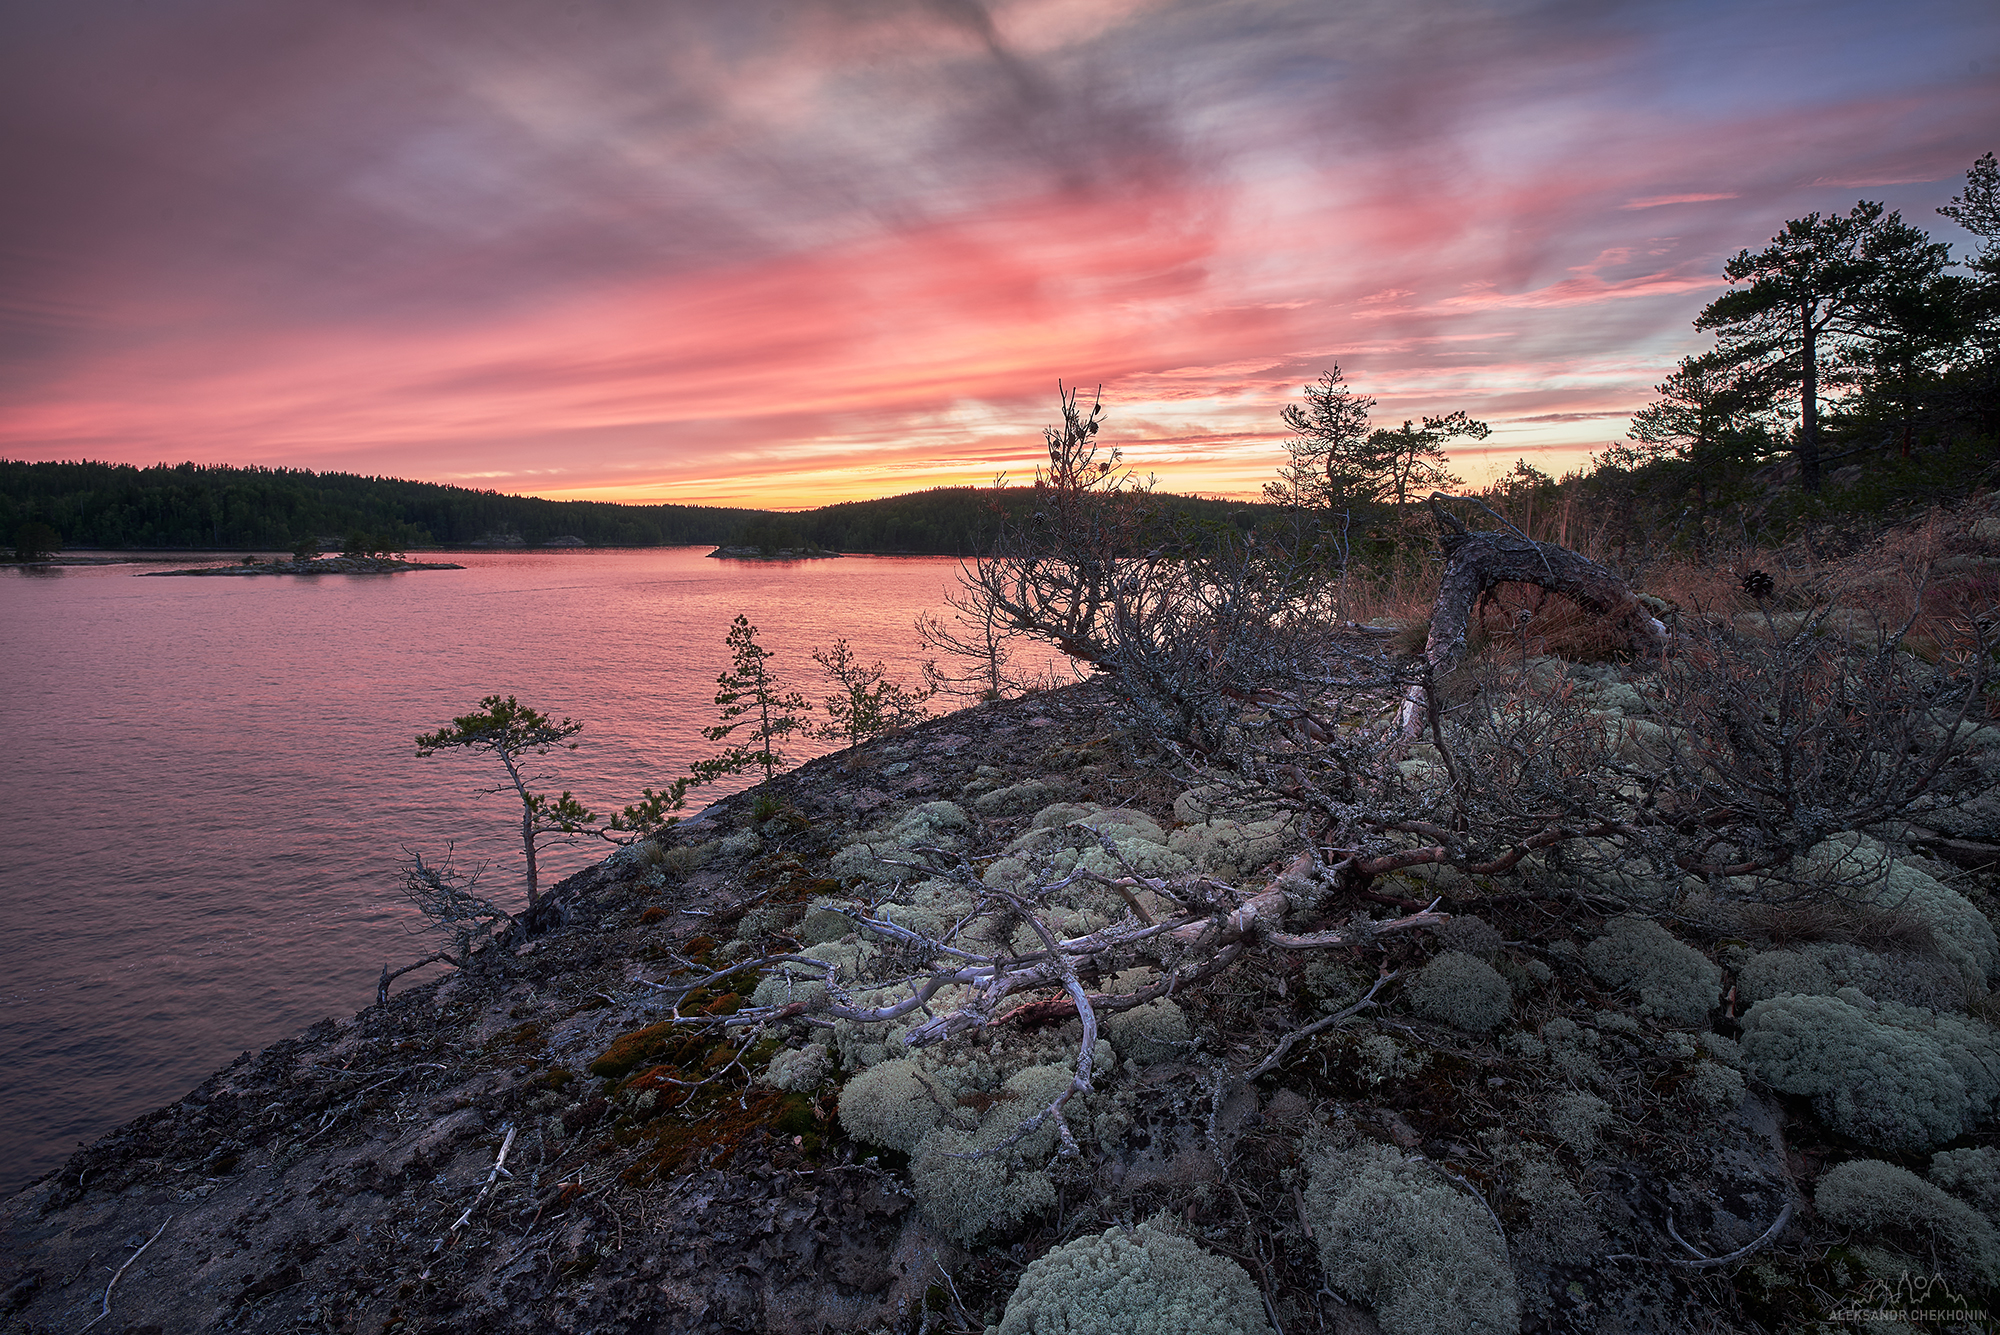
503, 1149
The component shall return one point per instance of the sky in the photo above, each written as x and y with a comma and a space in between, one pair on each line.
783, 254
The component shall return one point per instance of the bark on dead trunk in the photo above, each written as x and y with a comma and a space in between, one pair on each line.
1477, 562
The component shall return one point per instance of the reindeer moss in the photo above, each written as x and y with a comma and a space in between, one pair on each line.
1232, 849
1870, 1196
966, 1197
1673, 981
1462, 991
894, 1104
1143, 1281
1156, 1031
1864, 870
1397, 1235
1972, 1175
1882, 1085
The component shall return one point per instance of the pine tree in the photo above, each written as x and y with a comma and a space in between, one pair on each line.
750, 698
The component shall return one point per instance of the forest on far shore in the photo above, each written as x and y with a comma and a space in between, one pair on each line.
219, 508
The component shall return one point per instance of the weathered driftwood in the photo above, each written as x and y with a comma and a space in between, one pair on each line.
1475, 563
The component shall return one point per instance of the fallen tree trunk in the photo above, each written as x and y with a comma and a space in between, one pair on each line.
1476, 563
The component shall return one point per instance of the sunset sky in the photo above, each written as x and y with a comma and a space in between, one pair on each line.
781, 254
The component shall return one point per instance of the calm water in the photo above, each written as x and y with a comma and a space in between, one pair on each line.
209, 783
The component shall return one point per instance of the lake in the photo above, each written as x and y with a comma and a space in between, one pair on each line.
211, 783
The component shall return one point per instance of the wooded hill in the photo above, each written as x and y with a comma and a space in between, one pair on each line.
211, 507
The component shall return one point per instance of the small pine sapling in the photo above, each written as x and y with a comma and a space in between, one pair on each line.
510, 731
751, 698
869, 702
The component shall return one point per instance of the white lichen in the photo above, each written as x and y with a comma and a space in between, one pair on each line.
1143, 1281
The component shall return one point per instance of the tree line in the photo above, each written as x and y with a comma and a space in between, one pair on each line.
53, 505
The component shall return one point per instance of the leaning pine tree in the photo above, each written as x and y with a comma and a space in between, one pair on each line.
510, 732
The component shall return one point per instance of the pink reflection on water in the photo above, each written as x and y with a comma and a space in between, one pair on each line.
214, 780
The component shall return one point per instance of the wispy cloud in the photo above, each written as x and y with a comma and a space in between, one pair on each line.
1655, 201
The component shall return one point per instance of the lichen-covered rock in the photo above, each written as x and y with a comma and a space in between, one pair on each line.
1870, 1196
1461, 990
1882, 1085
1673, 981
1143, 1281
1397, 1235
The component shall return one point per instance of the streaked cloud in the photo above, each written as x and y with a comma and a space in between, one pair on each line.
1655, 201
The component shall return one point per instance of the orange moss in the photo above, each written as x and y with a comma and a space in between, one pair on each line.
723, 1126
628, 1050
654, 914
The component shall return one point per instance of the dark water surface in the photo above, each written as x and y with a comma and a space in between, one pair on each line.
209, 783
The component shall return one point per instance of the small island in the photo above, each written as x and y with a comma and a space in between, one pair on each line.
322, 565
774, 553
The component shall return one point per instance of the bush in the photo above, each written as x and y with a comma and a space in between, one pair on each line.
1883, 1086
1673, 981
1462, 991
1142, 1281
1394, 1234
1870, 1196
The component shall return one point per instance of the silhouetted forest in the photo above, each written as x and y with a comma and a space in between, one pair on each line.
97, 505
